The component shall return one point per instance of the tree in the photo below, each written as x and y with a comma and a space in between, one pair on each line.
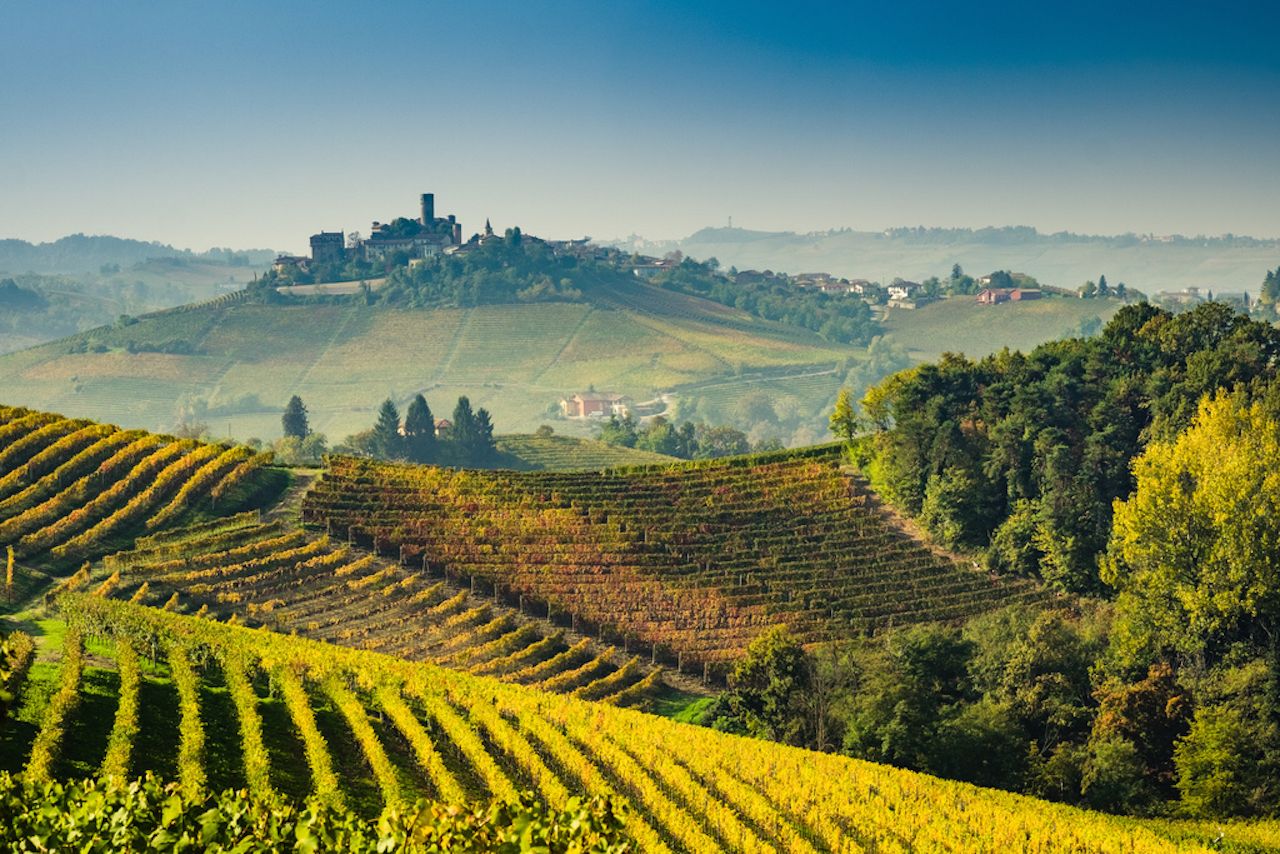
768, 690
1194, 550
718, 442
419, 431
295, 421
917, 680
1104, 290
1270, 293
482, 445
462, 433
844, 419
386, 440
619, 431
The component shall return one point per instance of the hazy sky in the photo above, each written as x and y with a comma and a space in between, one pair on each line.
253, 124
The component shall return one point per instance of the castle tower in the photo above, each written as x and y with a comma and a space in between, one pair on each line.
428, 208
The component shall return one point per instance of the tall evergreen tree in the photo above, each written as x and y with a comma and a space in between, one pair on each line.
387, 441
482, 445
420, 431
294, 420
464, 426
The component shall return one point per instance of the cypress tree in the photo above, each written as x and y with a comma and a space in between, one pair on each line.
420, 431
482, 445
387, 441
464, 427
295, 419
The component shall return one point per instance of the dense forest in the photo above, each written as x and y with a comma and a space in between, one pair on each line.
1022, 455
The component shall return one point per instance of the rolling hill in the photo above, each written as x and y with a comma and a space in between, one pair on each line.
233, 365
266, 574
225, 650
688, 561
72, 489
129, 689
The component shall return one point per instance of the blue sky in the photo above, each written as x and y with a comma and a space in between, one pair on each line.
254, 124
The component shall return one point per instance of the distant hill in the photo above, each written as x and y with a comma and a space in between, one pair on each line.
80, 253
1148, 263
233, 365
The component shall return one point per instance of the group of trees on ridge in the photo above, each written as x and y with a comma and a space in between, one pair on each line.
466, 441
688, 441
1138, 468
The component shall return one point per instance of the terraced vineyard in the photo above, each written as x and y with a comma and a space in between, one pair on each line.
214, 705
71, 489
290, 582
568, 453
692, 560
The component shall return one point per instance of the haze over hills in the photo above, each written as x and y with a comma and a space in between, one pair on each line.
1149, 263
81, 253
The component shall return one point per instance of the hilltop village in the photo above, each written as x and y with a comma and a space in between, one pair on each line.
337, 256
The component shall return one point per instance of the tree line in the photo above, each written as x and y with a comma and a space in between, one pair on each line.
688, 441
466, 440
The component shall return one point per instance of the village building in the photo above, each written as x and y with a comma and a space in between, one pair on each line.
994, 296
285, 263
427, 235
651, 268
900, 289
443, 426
595, 405
328, 247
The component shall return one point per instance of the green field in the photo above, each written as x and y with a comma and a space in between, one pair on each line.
961, 325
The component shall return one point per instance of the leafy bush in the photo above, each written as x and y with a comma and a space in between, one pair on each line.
91, 816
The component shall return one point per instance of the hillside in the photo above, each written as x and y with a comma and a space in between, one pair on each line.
961, 325
567, 453
216, 706
71, 489
268, 575
1148, 264
80, 253
690, 561
234, 365
71, 303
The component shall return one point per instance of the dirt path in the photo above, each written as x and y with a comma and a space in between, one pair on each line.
289, 507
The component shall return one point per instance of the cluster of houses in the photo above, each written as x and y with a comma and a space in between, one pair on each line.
592, 404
